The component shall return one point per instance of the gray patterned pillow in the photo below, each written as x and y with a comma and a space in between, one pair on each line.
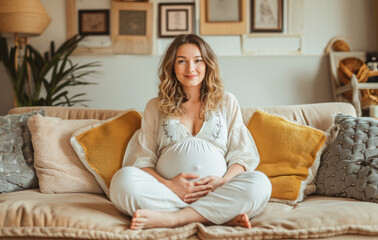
349, 165
16, 153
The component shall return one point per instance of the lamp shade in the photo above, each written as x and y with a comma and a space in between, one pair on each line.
24, 17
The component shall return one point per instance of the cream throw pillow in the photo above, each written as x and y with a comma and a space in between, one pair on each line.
58, 168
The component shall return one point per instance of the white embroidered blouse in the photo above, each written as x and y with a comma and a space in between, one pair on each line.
166, 145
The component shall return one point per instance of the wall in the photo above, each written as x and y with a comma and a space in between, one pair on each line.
376, 21
128, 81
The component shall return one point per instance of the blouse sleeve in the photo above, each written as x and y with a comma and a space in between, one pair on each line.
241, 146
142, 147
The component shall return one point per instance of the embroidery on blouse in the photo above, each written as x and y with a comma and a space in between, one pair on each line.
219, 126
164, 125
215, 135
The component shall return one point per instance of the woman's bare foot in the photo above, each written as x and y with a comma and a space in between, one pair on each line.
145, 218
241, 220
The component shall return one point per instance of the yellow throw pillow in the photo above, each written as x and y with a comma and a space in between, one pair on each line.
101, 147
287, 151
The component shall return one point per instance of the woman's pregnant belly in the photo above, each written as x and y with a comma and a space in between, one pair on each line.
191, 156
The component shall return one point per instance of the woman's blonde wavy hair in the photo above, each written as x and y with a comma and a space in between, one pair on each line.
171, 92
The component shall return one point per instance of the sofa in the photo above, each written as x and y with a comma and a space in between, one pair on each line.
32, 214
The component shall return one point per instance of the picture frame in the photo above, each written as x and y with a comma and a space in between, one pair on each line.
266, 15
175, 19
94, 22
213, 23
134, 0
95, 44
223, 10
131, 28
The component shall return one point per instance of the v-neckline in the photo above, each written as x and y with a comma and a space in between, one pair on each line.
187, 130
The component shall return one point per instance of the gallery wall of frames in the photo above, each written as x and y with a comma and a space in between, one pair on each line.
132, 26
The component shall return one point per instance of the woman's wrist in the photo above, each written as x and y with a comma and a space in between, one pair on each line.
167, 183
225, 179
156, 175
232, 171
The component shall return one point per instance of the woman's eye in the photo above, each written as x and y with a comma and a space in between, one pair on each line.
198, 60
180, 61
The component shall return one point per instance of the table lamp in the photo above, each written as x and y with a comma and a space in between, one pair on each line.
20, 19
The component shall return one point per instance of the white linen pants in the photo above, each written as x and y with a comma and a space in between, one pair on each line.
248, 192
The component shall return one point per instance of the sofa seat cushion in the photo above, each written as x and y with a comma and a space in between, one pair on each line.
315, 217
72, 215
91, 216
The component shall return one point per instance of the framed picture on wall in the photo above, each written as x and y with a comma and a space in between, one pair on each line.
131, 28
175, 19
223, 17
266, 15
132, 23
223, 10
97, 26
94, 22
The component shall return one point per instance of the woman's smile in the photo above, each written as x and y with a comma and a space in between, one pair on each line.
191, 76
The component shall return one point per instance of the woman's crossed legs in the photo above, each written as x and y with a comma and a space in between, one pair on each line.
151, 204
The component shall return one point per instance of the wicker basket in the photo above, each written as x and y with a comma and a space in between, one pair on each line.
340, 46
369, 97
348, 67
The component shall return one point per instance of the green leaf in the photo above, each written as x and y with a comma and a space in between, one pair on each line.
59, 96
52, 76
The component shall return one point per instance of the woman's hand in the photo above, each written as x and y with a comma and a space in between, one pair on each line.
214, 181
182, 187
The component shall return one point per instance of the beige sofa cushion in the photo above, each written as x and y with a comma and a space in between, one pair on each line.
92, 216
72, 215
58, 168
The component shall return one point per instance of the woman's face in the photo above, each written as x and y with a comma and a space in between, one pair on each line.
189, 66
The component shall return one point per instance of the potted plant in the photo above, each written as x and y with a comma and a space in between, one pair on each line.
44, 80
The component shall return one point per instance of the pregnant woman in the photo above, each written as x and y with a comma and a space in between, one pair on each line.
193, 159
